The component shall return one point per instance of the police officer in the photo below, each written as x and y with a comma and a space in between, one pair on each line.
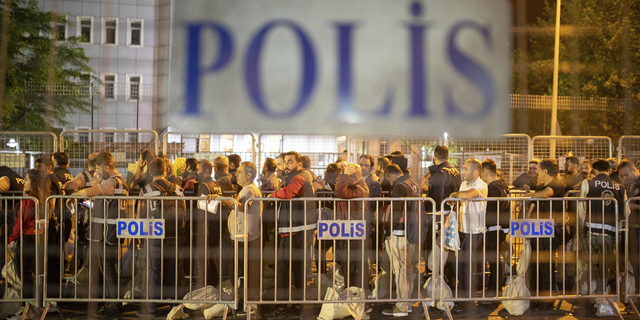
102, 234
61, 164
630, 177
162, 254
601, 219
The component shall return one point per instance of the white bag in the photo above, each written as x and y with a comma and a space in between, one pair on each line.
10, 272
516, 287
343, 310
177, 313
433, 291
381, 286
208, 293
450, 229
604, 308
433, 261
217, 310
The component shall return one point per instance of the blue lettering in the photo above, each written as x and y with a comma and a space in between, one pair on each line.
359, 230
323, 227
121, 226
346, 106
194, 70
159, 228
548, 228
344, 233
525, 225
419, 89
533, 229
471, 70
514, 227
142, 233
133, 228
252, 73
337, 230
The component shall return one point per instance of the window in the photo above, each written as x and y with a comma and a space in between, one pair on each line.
110, 34
82, 136
133, 86
84, 29
134, 33
133, 137
108, 136
109, 85
61, 31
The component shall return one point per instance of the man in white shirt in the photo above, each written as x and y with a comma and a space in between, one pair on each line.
471, 216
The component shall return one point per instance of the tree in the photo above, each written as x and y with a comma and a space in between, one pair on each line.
599, 57
35, 56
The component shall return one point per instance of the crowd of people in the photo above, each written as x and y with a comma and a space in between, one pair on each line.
395, 228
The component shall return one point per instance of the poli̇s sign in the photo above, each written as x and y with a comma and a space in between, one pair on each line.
532, 228
140, 228
335, 66
341, 229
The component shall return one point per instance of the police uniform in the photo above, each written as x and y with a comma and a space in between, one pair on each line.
162, 253
600, 223
633, 225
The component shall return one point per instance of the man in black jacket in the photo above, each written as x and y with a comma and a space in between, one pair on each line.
444, 180
404, 232
497, 222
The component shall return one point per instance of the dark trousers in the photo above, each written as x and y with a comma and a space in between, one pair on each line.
162, 271
542, 267
290, 269
205, 238
496, 268
469, 262
634, 253
254, 265
29, 265
104, 262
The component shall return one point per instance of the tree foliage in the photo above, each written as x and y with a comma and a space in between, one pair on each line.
32, 57
593, 40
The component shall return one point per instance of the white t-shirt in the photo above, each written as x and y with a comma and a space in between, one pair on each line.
253, 218
473, 213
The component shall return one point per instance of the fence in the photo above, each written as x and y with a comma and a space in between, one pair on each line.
511, 153
190, 260
124, 145
629, 148
19, 150
208, 146
632, 253
322, 150
583, 147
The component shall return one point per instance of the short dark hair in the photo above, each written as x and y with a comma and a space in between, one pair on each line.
296, 155
490, 166
250, 168
157, 167
441, 153
586, 161
235, 159
220, 163
601, 165
626, 163
191, 164
91, 160
536, 161
162, 155
147, 155
550, 165
280, 156
400, 160
397, 153
340, 160
270, 164
332, 172
105, 158
613, 162
383, 162
306, 162
61, 158
392, 168
573, 159
44, 160
168, 165
476, 163
206, 165
369, 157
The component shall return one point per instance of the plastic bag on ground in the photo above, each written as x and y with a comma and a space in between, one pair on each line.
381, 285
516, 287
343, 310
10, 272
208, 293
604, 308
432, 291
433, 261
217, 310
177, 313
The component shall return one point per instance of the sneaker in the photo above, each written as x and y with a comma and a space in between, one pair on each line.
394, 312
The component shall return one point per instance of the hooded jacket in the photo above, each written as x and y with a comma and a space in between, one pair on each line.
405, 187
445, 180
348, 187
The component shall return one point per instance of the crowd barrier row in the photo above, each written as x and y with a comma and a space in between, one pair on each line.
321, 251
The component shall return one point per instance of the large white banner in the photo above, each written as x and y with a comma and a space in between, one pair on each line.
356, 67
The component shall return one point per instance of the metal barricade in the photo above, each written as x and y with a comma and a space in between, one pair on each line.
124, 145
24, 266
583, 147
209, 145
309, 269
511, 153
417, 150
190, 260
19, 150
569, 250
322, 149
629, 148
632, 253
